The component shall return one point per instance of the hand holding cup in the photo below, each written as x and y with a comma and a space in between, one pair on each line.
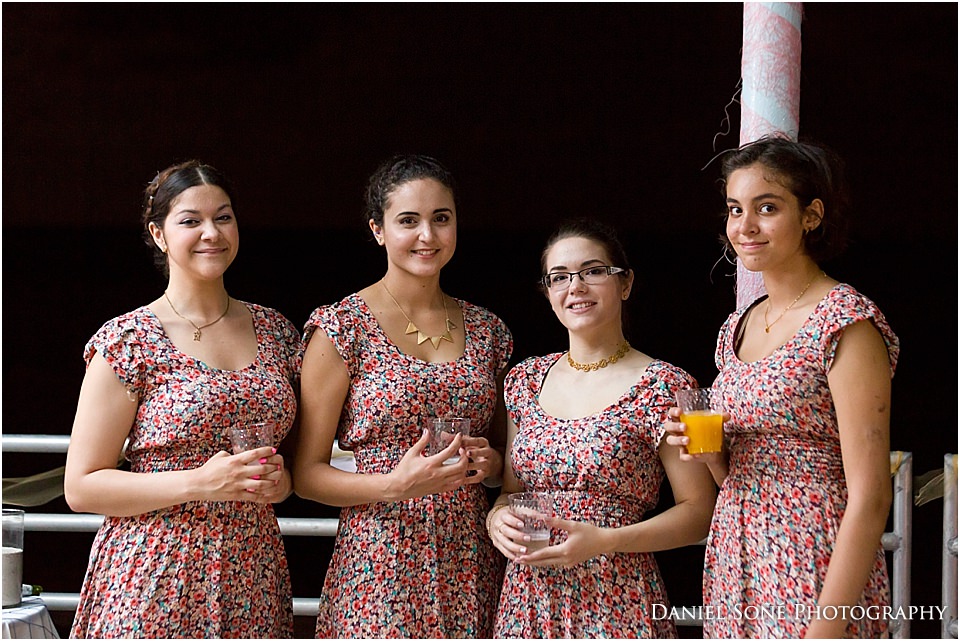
442, 433
702, 414
246, 437
250, 436
533, 508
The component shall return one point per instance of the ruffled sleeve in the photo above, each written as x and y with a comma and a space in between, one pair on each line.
502, 344
120, 341
725, 340
513, 386
847, 307
664, 388
336, 323
288, 342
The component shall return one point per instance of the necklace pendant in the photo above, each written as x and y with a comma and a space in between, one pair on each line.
413, 329
197, 328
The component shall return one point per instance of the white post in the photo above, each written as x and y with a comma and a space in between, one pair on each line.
770, 98
948, 593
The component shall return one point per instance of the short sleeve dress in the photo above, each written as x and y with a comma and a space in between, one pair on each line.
422, 567
603, 469
779, 510
202, 569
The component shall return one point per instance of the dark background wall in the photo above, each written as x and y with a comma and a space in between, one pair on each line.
543, 111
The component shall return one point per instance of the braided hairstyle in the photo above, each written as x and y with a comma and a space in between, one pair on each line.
398, 171
163, 191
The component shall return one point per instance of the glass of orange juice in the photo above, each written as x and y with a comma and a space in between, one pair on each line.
702, 414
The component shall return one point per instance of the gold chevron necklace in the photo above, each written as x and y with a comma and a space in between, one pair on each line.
413, 329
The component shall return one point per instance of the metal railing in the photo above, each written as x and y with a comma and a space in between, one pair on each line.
948, 592
68, 601
899, 541
92, 522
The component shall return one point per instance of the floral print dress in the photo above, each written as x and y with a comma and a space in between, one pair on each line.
603, 469
422, 567
779, 510
202, 569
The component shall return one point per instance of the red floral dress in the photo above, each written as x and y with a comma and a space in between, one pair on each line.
421, 567
779, 509
603, 469
203, 569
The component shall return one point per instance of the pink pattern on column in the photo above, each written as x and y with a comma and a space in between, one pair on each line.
770, 99
770, 68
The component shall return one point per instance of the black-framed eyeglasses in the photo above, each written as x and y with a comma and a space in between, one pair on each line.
591, 276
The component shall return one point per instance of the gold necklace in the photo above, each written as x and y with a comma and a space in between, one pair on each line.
766, 325
196, 334
413, 329
603, 362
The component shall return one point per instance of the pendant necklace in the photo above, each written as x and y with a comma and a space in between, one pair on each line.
413, 329
603, 362
766, 310
197, 328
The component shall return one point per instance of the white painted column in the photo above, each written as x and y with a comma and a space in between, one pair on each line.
770, 98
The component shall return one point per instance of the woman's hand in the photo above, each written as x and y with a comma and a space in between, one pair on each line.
583, 541
254, 475
677, 437
485, 462
506, 531
279, 484
419, 475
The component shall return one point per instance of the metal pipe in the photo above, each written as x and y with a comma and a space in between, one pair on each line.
92, 522
948, 587
902, 524
62, 522
36, 443
58, 444
68, 602
899, 541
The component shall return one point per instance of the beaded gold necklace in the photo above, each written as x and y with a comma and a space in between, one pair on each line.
603, 362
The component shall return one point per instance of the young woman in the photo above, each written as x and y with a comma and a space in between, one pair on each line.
805, 378
411, 557
586, 426
190, 547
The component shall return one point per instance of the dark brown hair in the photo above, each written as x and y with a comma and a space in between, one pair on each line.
809, 172
164, 189
594, 230
397, 171
600, 233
